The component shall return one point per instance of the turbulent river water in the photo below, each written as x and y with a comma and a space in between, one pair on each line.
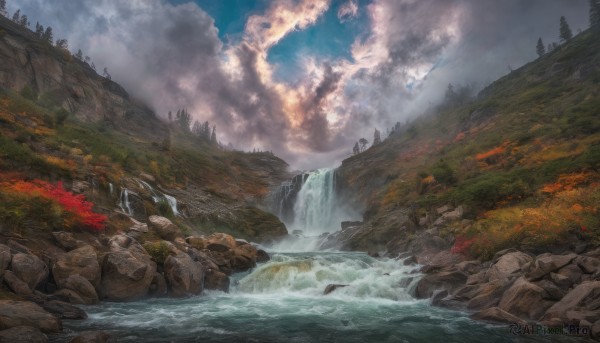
282, 301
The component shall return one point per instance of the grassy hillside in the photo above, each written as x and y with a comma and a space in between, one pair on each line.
81, 127
522, 158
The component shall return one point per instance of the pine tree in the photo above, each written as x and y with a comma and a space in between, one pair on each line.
213, 136
565, 30
48, 36
3, 8
363, 144
62, 44
356, 149
106, 74
79, 55
540, 49
23, 21
595, 13
39, 30
376, 137
93, 66
17, 16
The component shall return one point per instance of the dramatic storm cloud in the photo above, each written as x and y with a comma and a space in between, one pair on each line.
303, 78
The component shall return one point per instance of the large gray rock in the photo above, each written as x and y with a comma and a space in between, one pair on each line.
497, 315
589, 265
449, 280
15, 284
488, 294
26, 313
5, 258
126, 276
158, 287
508, 265
525, 300
164, 228
80, 285
30, 269
216, 280
547, 263
81, 261
220, 242
64, 310
92, 337
184, 276
585, 296
23, 334
67, 241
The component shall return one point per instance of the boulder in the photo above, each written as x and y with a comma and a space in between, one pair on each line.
164, 228
125, 242
5, 258
68, 296
19, 313
507, 265
561, 281
469, 267
220, 242
572, 272
158, 287
553, 291
82, 261
477, 278
216, 280
64, 310
262, 256
196, 242
525, 300
82, 287
589, 265
23, 334
15, 284
497, 315
488, 294
547, 263
206, 261
126, 276
92, 337
448, 280
184, 276
332, 287
30, 269
586, 296
67, 241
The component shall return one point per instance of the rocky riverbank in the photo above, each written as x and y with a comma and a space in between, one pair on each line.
43, 280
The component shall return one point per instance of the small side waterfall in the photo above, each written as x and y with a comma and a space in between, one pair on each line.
124, 201
157, 196
315, 206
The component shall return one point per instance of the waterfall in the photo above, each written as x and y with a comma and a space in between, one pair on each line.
111, 188
124, 201
158, 196
315, 206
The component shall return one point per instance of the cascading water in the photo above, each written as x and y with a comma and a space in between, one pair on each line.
124, 201
158, 196
283, 301
315, 207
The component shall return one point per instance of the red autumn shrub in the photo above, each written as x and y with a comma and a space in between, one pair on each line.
78, 211
462, 245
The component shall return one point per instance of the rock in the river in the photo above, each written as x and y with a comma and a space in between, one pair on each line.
23, 334
158, 287
216, 280
525, 300
164, 228
19, 313
497, 315
92, 337
64, 310
30, 269
126, 276
262, 256
444, 280
82, 287
81, 261
332, 287
184, 276
220, 242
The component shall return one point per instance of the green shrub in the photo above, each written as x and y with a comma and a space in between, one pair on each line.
443, 173
159, 251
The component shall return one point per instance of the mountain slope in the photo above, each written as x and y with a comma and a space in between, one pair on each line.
529, 143
60, 121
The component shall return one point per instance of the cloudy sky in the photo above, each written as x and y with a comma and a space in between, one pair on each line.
303, 78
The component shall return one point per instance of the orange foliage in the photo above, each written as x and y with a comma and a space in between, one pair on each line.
459, 137
568, 182
79, 211
495, 151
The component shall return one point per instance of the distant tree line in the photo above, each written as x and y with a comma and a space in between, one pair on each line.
47, 35
183, 121
565, 34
